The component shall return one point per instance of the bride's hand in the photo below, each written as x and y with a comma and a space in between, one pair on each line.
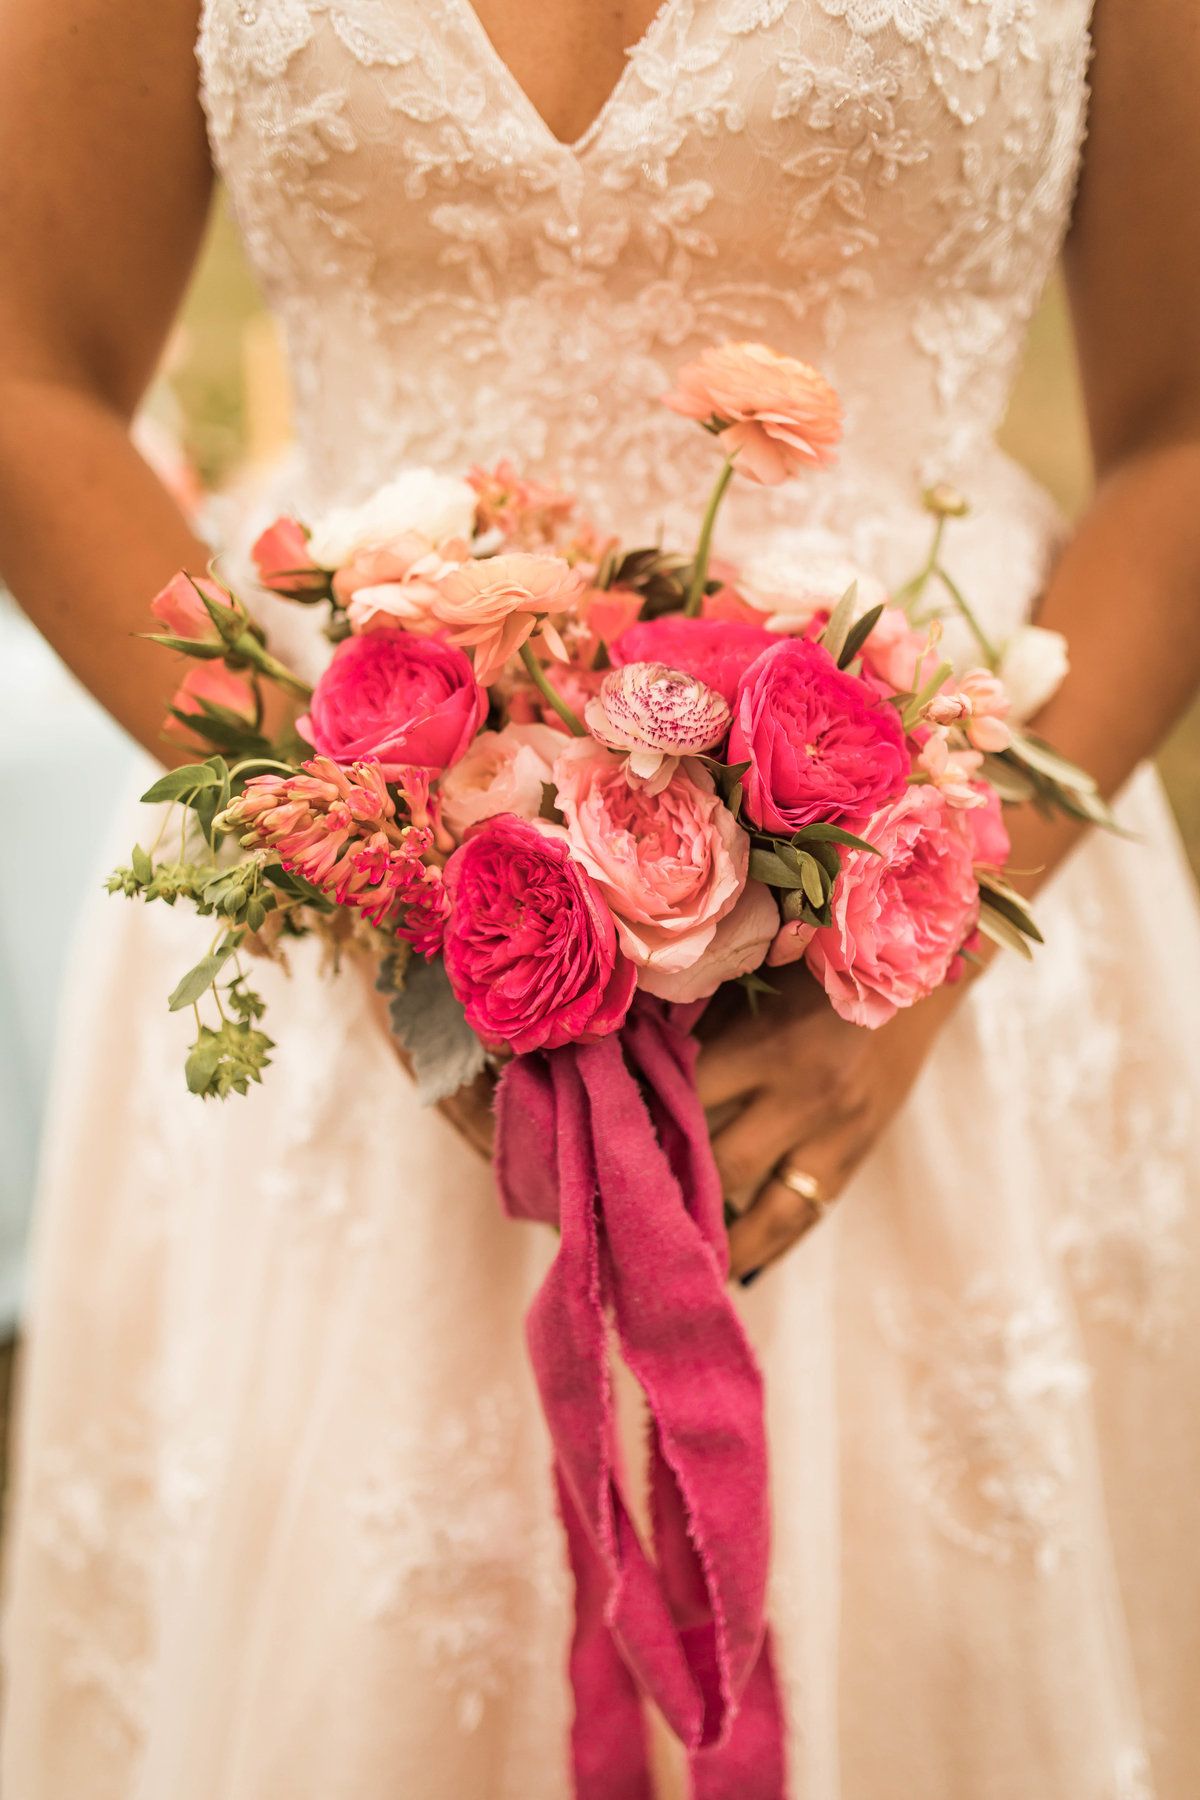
811, 1093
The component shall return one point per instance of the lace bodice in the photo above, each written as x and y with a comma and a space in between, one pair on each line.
879, 186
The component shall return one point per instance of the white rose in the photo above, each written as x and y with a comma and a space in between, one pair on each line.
1032, 668
792, 588
438, 506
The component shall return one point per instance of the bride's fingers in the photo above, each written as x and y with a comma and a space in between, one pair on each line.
750, 1145
779, 1217
728, 1068
470, 1111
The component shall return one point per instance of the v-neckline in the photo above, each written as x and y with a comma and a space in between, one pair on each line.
577, 146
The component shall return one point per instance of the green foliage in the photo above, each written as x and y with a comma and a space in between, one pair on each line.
227, 1059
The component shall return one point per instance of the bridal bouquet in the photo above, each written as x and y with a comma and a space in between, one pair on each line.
565, 790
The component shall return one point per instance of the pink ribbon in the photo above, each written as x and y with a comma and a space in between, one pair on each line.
609, 1142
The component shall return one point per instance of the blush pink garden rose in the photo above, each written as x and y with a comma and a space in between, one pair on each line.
213, 682
775, 414
820, 743
656, 715
396, 699
716, 651
502, 772
180, 609
670, 864
530, 946
496, 603
899, 918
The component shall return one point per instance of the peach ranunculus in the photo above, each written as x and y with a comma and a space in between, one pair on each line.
656, 714
219, 686
396, 584
777, 415
901, 916
670, 864
502, 772
495, 604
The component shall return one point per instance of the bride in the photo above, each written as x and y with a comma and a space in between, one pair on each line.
284, 1524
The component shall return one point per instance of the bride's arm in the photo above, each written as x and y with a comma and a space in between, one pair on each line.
104, 189
1126, 594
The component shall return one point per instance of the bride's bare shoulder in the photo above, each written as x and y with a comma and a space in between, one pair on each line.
104, 173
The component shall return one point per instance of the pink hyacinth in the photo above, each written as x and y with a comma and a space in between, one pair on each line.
337, 828
657, 714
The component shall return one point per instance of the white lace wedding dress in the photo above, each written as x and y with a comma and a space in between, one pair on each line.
284, 1527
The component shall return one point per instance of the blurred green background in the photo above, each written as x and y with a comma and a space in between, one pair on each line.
228, 376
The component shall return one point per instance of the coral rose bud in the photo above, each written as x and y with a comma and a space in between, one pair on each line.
284, 563
213, 683
776, 415
655, 712
181, 609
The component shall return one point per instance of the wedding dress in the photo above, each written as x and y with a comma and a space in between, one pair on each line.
284, 1527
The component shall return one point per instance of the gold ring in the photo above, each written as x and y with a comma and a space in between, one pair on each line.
806, 1185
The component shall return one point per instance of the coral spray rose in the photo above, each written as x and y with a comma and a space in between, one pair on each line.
670, 863
496, 603
284, 563
775, 414
716, 651
219, 686
821, 744
531, 948
901, 917
397, 699
181, 610
657, 714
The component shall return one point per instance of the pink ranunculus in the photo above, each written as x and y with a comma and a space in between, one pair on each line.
181, 610
398, 699
502, 772
985, 829
285, 566
717, 652
894, 651
776, 414
657, 714
820, 743
213, 682
531, 948
670, 864
739, 944
899, 918
496, 603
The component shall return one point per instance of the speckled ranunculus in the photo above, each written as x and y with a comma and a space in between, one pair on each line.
899, 918
716, 651
395, 699
530, 946
656, 714
821, 744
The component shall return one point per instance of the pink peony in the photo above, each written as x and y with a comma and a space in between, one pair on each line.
181, 610
985, 829
900, 918
739, 944
715, 651
281, 556
657, 714
213, 682
820, 744
502, 772
398, 699
670, 864
496, 603
531, 948
776, 414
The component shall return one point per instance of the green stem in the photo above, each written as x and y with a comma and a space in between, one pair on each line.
250, 648
912, 590
960, 600
537, 676
695, 597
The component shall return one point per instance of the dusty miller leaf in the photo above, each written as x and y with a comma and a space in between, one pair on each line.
430, 1023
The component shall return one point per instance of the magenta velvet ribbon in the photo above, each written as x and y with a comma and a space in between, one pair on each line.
609, 1142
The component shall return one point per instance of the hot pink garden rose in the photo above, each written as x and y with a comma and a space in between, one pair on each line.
776, 414
502, 772
670, 864
820, 743
397, 699
900, 918
531, 948
716, 651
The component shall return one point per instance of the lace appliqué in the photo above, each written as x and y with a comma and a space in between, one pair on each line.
995, 1388
447, 1548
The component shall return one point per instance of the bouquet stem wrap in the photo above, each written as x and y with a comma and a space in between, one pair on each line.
608, 1141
